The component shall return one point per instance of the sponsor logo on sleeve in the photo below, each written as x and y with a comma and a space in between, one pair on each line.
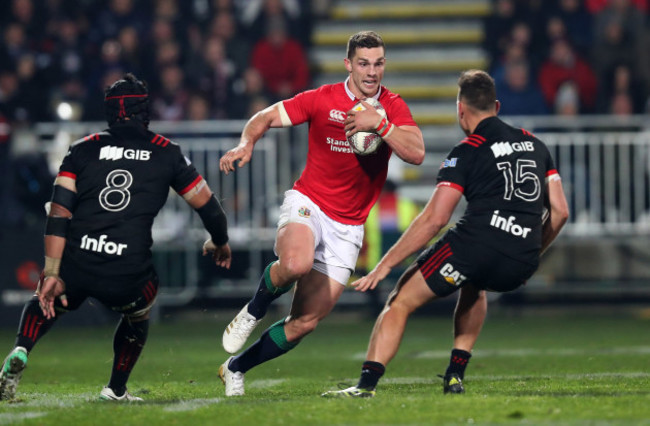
449, 162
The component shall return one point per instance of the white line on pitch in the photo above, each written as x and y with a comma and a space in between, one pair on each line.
191, 404
10, 418
265, 383
438, 354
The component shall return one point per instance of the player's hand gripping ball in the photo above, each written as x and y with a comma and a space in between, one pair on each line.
364, 143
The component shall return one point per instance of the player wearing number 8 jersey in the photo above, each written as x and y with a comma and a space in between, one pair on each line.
515, 209
98, 240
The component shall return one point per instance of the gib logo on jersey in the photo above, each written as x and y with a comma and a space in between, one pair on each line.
117, 153
501, 149
508, 225
451, 275
101, 245
338, 116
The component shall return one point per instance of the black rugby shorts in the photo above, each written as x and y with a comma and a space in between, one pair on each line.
449, 265
123, 294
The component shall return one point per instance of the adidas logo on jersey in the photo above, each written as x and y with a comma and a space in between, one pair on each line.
117, 153
101, 245
508, 225
506, 148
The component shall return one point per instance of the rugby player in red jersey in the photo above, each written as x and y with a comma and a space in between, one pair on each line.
320, 230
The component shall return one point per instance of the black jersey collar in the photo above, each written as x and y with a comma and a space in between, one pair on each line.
485, 123
129, 127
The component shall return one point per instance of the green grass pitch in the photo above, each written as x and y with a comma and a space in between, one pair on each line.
533, 369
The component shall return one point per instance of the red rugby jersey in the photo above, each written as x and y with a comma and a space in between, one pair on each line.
344, 185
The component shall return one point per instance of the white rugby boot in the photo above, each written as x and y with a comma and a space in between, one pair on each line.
12, 370
234, 380
239, 330
107, 394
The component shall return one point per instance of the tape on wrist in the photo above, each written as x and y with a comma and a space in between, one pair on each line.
52, 267
381, 126
387, 130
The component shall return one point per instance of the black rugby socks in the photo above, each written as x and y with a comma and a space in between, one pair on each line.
371, 372
33, 325
271, 344
128, 342
458, 362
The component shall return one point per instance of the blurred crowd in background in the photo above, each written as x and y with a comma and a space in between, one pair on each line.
227, 59
570, 57
202, 59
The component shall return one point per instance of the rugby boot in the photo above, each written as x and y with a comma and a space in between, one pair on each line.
239, 330
452, 383
107, 394
233, 380
12, 370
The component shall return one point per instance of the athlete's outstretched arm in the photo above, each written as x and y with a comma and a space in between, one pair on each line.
273, 116
59, 213
201, 199
558, 210
430, 221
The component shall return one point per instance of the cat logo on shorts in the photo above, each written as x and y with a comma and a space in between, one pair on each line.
452, 276
304, 211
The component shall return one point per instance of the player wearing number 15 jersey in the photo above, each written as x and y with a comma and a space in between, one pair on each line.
98, 239
515, 209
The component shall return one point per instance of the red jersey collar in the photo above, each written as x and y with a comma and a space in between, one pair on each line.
351, 95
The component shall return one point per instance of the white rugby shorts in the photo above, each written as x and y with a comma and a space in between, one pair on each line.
336, 245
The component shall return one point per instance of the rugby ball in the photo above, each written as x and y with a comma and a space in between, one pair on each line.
364, 143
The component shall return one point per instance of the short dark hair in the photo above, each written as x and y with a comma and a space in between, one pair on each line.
477, 89
127, 98
367, 39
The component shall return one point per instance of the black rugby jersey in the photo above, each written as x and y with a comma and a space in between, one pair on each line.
122, 176
502, 172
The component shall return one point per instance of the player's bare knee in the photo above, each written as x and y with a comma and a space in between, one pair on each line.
294, 267
401, 305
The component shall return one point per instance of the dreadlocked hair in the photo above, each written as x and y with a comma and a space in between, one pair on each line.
127, 98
